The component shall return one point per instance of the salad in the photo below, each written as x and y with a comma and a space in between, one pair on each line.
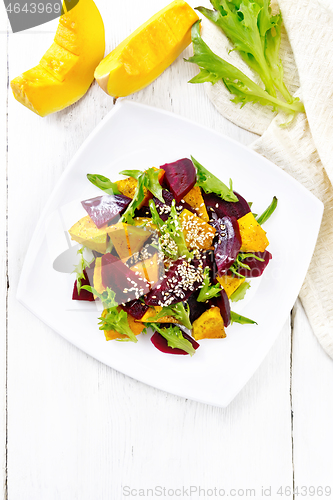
168, 248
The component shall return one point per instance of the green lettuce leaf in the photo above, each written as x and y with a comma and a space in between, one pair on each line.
178, 311
118, 321
79, 269
103, 183
175, 339
170, 232
268, 212
240, 292
114, 319
148, 180
208, 291
213, 68
256, 35
237, 318
211, 184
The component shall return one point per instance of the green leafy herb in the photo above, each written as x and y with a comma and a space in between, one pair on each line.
208, 291
148, 180
213, 69
240, 292
178, 311
268, 212
113, 319
118, 321
175, 339
239, 262
138, 198
211, 184
132, 173
107, 297
171, 232
237, 318
79, 269
103, 183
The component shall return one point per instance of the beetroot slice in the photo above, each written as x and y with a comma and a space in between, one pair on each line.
223, 303
257, 267
84, 294
168, 198
179, 177
160, 207
218, 208
104, 209
162, 345
196, 308
175, 286
119, 278
136, 308
228, 242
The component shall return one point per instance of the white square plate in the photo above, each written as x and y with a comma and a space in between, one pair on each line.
134, 136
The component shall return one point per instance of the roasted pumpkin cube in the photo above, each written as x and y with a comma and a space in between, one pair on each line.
97, 277
195, 200
152, 311
86, 232
229, 283
209, 325
198, 234
253, 236
134, 326
146, 222
127, 239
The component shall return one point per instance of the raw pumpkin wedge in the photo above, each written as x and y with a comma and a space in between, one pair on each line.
66, 70
148, 51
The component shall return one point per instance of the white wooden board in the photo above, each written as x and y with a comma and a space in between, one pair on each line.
79, 430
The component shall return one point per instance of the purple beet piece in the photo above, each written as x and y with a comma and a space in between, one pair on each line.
168, 198
119, 278
104, 209
162, 345
176, 285
136, 308
257, 267
223, 303
228, 242
180, 177
84, 294
218, 208
196, 308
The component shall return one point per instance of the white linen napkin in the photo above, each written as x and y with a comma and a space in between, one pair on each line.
304, 149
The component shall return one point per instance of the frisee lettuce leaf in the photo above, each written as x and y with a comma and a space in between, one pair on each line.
178, 311
211, 184
171, 228
268, 212
239, 262
103, 183
237, 318
147, 179
79, 269
240, 292
113, 319
175, 339
213, 68
118, 321
208, 291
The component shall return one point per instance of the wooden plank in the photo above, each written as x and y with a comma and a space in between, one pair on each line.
78, 429
312, 403
3, 249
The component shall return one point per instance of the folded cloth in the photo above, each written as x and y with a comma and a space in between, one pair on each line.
304, 149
